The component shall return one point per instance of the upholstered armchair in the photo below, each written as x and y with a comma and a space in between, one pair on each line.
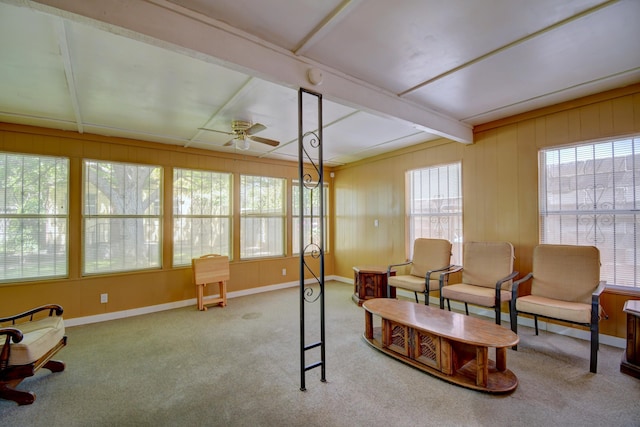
487, 272
565, 286
429, 256
31, 339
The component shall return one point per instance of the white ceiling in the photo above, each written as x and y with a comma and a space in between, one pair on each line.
394, 74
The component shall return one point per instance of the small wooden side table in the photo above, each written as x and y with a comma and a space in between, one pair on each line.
630, 364
210, 269
370, 282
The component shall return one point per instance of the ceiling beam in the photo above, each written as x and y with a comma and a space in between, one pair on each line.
63, 44
165, 24
327, 24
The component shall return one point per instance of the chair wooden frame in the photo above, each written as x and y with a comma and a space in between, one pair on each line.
12, 375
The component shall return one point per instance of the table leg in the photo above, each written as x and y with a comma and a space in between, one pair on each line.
200, 296
501, 359
482, 366
368, 325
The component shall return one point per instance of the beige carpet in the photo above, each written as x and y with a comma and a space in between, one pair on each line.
240, 366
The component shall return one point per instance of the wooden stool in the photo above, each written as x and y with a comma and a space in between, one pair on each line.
210, 269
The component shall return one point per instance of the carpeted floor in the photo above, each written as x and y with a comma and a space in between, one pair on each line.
240, 366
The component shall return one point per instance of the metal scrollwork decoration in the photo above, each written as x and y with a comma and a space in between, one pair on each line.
594, 222
311, 184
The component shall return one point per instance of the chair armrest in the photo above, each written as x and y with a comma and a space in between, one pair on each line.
13, 333
499, 284
514, 286
511, 276
444, 277
595, 302
601, 286
30, 313
447, 268
397, 265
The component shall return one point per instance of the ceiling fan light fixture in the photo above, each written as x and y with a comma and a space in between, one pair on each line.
241, 142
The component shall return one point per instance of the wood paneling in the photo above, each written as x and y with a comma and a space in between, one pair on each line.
80, 296
499, 179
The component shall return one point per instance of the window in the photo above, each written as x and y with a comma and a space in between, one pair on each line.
590, 195
262, 216
121, 217
201, 214
435, 205
34, 201
311, 203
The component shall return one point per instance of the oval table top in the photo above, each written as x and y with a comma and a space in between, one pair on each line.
448, 324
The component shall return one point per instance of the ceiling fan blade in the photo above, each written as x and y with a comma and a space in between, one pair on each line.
219, 131
258, 127
228, 143
270, 142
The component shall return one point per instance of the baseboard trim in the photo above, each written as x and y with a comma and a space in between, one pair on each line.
77, 321
543, 326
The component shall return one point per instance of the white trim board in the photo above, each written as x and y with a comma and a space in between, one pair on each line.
76, 321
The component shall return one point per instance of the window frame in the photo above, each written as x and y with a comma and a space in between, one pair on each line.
445, 211
601, 207
60, 216
228, 215
280, 214
107, 219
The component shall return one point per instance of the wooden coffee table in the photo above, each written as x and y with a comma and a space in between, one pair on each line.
448, 345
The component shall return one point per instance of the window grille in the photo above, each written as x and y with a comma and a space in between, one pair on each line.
590, 195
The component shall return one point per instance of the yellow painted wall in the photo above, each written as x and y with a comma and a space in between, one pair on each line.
499, 181
80, 296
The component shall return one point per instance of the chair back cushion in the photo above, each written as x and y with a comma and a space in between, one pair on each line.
430, 254
487, 262
565, 272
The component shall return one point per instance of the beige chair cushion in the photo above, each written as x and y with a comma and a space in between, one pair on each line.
40, 336
571, 311
472, 294
412, 283
487, 262
429, 254
565, 272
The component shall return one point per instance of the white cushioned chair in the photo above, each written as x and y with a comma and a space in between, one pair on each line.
429, 256
30, 341
487, 273
565, 286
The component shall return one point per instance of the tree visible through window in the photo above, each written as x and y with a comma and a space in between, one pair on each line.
590, 195
311, 204
122, 216
435, 205
201, 214
262, 216
34, 198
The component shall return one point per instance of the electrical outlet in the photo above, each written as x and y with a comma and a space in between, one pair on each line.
284, 271
104, 298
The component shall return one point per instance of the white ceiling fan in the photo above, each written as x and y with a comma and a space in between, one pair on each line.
242, 132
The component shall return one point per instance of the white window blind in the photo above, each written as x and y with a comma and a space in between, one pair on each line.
202, 214
590, 195
34, 199
262, 216
434, 204
122, 217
